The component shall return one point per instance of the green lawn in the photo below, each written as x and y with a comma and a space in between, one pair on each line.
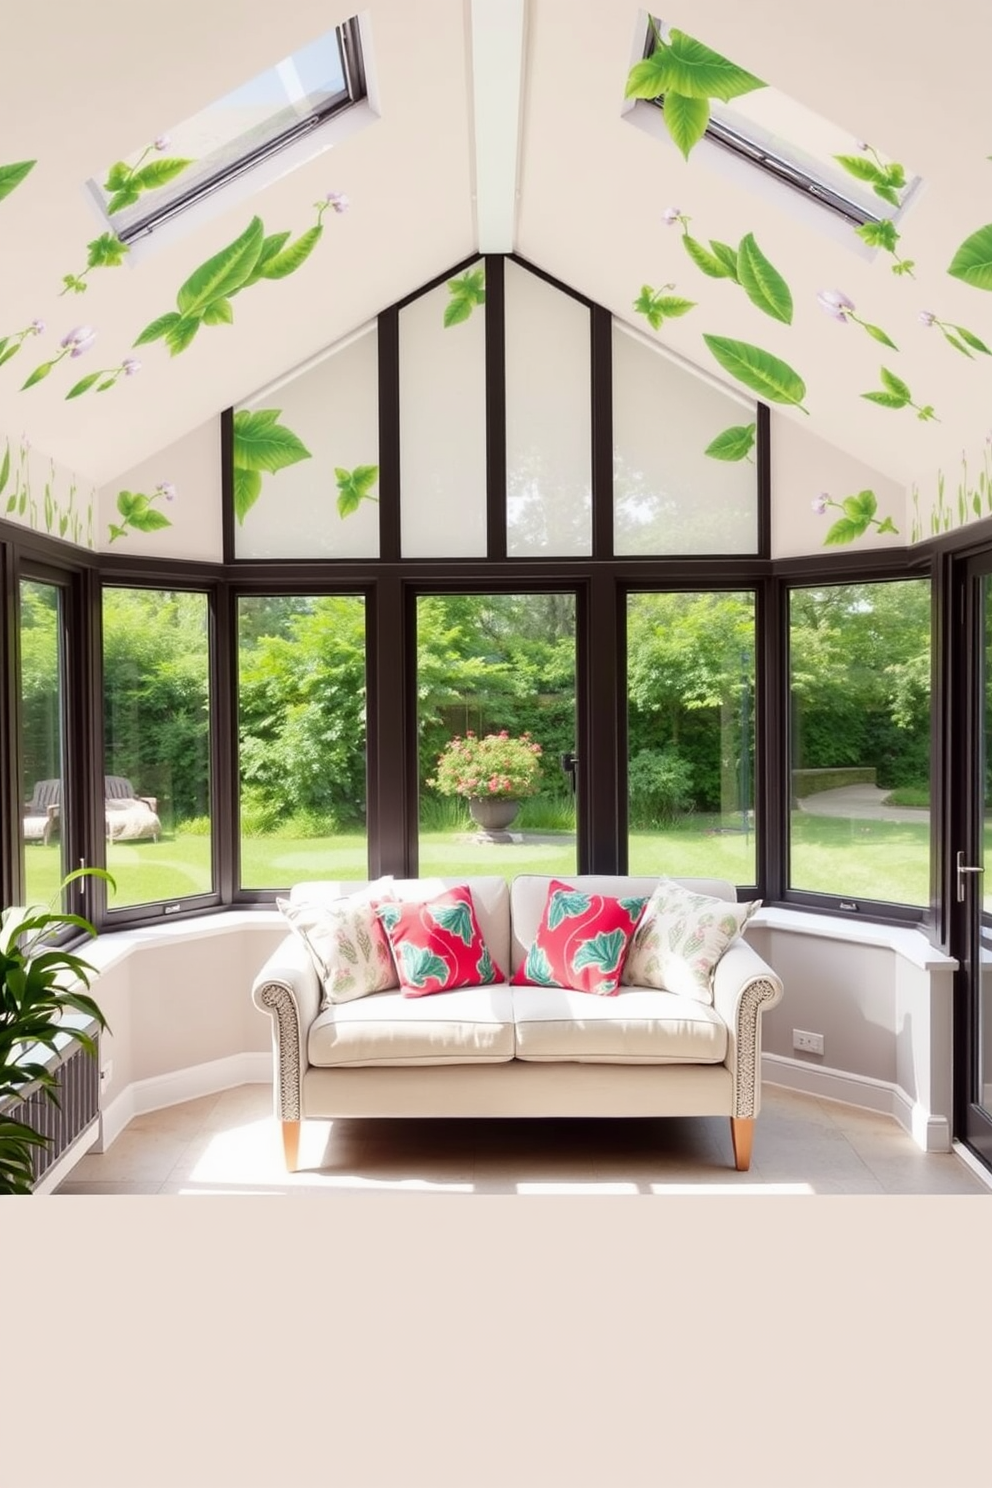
866, 859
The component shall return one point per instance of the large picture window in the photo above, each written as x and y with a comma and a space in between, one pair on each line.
496, 691
859, 668
157, 811
690, 733
301, 719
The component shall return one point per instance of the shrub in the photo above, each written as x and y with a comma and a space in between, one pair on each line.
660, 783
496, 767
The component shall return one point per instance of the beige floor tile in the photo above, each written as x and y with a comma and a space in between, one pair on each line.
229, 1144
142, 1154
136, 1186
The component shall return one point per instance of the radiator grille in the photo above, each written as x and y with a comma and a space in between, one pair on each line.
79, 1105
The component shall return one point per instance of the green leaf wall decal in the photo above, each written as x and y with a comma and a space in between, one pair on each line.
973, 261
710, 264
264, 444
225, 272
735, 443
354, 486
159, 173
761, 281
759, 370
158, 328
686, 120
12, 175
247, 489
286, 262
699, 72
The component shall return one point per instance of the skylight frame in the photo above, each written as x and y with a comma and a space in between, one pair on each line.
171, 203
788, 172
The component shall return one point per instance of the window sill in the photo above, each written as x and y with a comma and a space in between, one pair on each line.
910, 944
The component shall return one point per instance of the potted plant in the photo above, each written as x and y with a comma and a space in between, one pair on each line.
39, 981
494, 773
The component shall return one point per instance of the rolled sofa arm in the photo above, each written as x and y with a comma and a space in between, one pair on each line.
744, 986
288, 989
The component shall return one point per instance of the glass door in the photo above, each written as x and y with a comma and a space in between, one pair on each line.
970, 882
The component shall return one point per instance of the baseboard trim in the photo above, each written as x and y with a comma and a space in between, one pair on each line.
929, 1131
172, 1089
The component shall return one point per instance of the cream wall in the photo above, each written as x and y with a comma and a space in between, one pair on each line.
192, 467
802, 467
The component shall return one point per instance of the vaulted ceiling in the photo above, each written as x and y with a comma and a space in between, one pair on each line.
501, 125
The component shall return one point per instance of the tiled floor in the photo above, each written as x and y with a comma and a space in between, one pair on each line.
229, 1144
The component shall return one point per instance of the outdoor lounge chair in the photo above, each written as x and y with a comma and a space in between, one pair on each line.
41, 813
129, 817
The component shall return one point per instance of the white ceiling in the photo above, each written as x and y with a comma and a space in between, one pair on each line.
85, 84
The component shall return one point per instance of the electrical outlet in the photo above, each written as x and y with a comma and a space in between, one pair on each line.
106, 1072
807, 1043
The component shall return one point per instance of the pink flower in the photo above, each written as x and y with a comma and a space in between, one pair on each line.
83, 345
166, 489
834, 303
927, 317
130, 366
671, 215
162, 142
37, 326
820, 503
337, 200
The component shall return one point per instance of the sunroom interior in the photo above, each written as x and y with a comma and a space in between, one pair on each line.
613, 378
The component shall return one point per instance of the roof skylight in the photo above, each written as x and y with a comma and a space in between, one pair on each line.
234, 134
704, 95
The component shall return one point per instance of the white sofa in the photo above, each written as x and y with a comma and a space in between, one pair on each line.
522, 1050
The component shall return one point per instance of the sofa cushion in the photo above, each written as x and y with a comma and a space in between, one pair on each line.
437, 944
346, 942
581, 941
681, 938
474, 1025
638, 1026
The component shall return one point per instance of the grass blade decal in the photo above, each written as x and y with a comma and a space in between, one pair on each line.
759, 370
761, 281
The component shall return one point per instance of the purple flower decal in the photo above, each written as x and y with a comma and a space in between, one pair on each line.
834, 303
130, 366
37, 326
162, 142
78, 336
927, 317
671, 215
83, 345
337, 200
820, 503
166, 489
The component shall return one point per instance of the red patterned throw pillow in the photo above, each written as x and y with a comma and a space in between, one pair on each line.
581, 941
437, 943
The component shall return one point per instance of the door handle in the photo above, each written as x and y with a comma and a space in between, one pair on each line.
962, 869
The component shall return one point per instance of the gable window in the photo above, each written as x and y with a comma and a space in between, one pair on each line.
286, 105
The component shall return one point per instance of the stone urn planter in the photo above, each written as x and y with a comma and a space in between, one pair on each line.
492, 813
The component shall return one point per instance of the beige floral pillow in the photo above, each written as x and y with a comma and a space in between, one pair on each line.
680, 938
347, 943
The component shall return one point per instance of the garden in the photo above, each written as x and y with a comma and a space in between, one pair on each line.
504, 667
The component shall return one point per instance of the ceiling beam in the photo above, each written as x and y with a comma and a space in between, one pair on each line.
497, 86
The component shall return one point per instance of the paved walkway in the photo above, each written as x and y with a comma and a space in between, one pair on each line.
866, 802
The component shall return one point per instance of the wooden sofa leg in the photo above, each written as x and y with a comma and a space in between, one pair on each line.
291, 1143
742, 1132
